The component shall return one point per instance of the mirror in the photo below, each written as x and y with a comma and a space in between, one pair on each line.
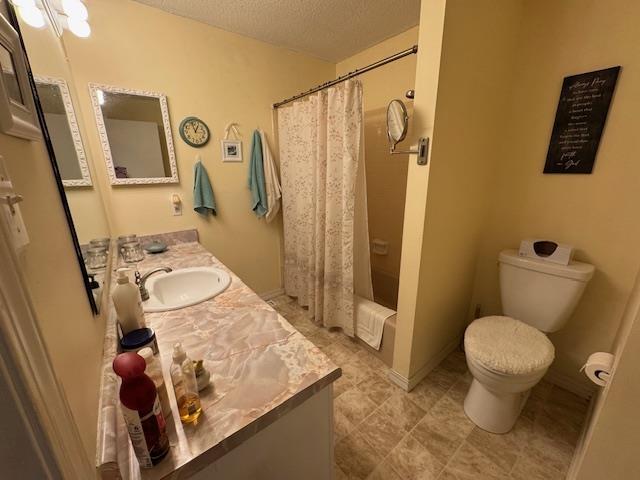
135, 135
397, 122
63, 130
70, 153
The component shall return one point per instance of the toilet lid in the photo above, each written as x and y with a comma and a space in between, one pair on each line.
507, 345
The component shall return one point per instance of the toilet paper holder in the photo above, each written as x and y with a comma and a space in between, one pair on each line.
599, 368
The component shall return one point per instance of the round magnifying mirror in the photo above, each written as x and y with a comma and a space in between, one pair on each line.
397, 122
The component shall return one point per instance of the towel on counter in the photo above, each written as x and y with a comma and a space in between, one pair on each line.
257, 186
203, 199
272, 183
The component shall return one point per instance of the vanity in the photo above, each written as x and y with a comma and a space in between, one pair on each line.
271, 396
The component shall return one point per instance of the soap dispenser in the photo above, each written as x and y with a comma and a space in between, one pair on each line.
126, 299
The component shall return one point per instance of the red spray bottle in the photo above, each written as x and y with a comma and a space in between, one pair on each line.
141, 410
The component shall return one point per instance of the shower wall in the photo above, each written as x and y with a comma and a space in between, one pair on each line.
386, 173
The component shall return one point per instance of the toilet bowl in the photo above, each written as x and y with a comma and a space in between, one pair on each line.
509, 355
502, 385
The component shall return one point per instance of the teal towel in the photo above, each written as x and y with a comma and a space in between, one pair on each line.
256, 177
203, 200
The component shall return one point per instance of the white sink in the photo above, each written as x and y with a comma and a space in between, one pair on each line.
184, 287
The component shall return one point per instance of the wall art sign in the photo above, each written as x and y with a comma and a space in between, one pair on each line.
580, 118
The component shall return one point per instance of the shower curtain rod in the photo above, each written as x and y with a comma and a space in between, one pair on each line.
355, 73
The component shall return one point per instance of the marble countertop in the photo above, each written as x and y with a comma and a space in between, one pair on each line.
261, 368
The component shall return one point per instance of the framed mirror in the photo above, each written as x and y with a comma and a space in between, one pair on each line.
44, 55
63, 129
397, 122
135, 135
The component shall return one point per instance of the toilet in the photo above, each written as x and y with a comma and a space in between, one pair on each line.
508, 355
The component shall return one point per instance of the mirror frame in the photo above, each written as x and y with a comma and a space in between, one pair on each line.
104, 140
85, 181
405, 121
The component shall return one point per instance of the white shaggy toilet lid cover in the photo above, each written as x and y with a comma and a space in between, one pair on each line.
509, 346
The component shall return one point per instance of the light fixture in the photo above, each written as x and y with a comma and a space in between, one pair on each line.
100, 96
31, 15
79, 28
63, 14
75, 9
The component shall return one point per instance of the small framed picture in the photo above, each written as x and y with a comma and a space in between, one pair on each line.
17, 109
231, 151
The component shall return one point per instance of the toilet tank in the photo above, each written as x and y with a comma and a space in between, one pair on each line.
539, 293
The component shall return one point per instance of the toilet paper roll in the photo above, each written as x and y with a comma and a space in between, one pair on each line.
598, 367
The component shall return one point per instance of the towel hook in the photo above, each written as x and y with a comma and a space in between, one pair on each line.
232, 127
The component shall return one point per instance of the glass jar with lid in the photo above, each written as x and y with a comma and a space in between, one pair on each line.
96, 258
132, 252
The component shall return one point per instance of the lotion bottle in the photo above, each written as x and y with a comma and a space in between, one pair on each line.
126, 299
183, 377
154, 371
141, 410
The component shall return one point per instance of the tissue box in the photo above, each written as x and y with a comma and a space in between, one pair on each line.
546, 250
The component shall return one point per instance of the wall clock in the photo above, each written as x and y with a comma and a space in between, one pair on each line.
194, 132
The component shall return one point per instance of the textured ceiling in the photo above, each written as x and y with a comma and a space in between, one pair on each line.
329, 29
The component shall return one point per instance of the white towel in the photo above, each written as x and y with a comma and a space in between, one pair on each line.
272, 183
370, 317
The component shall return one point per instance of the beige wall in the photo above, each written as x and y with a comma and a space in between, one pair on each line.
596, 213
73, 336
386, 173
426, 84
387, 82
221, 78
474, 75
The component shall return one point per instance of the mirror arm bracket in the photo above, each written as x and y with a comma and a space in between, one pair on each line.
422, 151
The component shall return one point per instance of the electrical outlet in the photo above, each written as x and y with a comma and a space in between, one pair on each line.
16, 225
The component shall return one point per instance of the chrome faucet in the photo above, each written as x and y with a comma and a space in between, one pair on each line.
141, 280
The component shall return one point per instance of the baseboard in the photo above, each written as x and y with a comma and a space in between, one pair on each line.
570, 383
407, 384
272, 294
399, 380
580, 450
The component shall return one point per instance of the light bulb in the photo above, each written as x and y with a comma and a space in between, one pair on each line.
75, 9
80, 28
32, 16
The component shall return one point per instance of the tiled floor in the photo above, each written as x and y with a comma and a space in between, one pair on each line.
384, 433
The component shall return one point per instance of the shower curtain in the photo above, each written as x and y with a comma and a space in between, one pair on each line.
326, 241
